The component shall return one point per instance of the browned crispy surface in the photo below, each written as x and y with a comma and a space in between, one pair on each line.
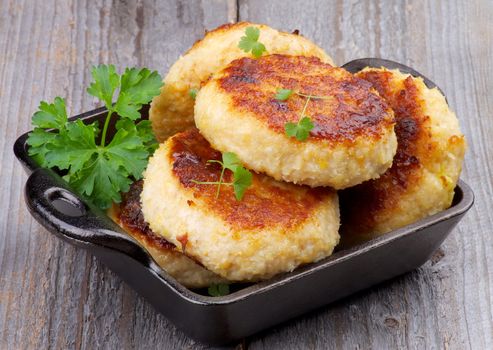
131, 218
265, 204
361, 205
353, 109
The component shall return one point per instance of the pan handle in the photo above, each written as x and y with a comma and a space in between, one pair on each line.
55, 206
355, 66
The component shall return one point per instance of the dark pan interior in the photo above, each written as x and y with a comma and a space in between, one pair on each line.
361, 63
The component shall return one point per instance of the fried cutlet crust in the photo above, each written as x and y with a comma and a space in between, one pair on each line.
131, 218
188, 271
366, 206
265, 204
353, 108
274, 228
412, 130
172, 110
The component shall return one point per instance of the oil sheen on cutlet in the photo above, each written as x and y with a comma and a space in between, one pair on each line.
353, 108
265, 204
415, 148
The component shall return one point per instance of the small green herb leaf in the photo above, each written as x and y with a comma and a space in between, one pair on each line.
53, 115
193, 93
127, 150
144, 130
106, 81
300, 130
231, 161
102, 173
291, 129
138, 86
249, 42
283, 94
74, 147
101, 180
39, 140
242, 179
305, 125
218, 290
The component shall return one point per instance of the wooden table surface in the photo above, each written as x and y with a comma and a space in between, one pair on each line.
55, 296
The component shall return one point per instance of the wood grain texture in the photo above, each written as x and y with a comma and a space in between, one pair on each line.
446, 303
51, 294
55, 296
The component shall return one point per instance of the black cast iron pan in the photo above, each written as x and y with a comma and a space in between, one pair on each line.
219, 320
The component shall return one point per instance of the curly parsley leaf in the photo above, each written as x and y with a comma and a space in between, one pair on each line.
249, 42
99, 172
218, 290
283, 94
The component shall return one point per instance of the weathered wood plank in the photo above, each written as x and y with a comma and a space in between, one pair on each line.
447, 303
53, 295
56, 296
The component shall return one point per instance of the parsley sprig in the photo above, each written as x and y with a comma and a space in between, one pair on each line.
242, 177
99, 170
301, 129
249, 42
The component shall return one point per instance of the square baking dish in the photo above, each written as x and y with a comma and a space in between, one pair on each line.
219, 320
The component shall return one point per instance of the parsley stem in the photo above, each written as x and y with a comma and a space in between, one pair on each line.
305, 106
105, 128
315, 97
220, 181
212, 183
